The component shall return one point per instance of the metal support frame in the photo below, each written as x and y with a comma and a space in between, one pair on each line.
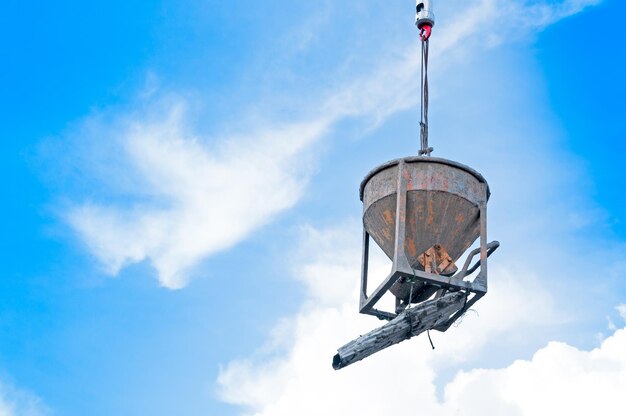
401, 267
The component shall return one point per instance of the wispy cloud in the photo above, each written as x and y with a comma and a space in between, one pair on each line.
202, 200
15, 402
205, 195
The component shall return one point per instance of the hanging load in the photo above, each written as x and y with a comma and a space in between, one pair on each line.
424, 213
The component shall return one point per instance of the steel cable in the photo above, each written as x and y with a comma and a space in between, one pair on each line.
425, 149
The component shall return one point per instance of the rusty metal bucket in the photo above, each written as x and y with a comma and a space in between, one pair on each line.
442, 206
441, 203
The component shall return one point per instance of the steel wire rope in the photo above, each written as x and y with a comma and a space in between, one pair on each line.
424, 98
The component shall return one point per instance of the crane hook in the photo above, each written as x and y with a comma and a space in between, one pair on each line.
424, 18
425, 32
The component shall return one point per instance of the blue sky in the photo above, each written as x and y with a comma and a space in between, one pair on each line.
180, 233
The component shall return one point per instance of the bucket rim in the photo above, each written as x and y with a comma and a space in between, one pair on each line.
421, 159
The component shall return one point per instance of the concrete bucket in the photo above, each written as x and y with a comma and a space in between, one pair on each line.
441, 220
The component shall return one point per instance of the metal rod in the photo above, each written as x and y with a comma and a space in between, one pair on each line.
425, 149
364, 267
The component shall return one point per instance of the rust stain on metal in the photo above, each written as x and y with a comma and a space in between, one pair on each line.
409, 182
388, 217
387, 233
431, 212
411, 247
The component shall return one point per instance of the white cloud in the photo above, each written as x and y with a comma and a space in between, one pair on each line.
206, 199
199, 198
610, 324
492, 22
14, 402
559, 379
294, 375
622, 311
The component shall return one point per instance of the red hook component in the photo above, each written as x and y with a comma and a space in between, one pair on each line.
425, 32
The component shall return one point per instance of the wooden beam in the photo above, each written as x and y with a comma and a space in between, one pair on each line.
411, 322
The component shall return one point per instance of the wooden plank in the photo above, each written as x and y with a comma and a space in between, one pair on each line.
411, 322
